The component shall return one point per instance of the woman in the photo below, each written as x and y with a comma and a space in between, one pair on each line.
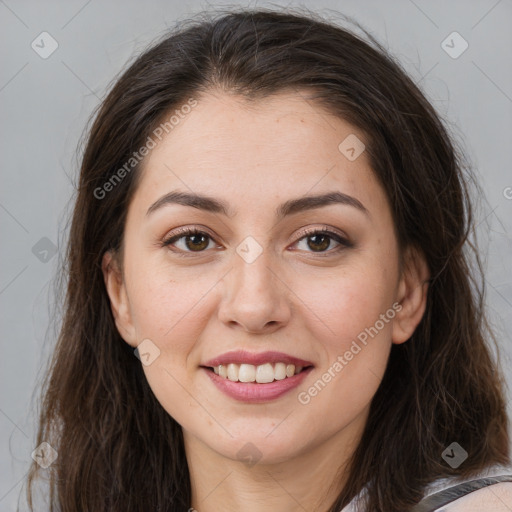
270, 303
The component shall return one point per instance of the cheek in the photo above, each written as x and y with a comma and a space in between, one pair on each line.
343, 305
171, 308
354, 343
154, 304
171, 313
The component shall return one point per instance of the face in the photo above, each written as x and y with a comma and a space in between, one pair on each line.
312, 288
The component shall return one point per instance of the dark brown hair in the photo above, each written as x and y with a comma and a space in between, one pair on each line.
119, 450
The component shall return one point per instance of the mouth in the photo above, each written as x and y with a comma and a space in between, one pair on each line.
256, 378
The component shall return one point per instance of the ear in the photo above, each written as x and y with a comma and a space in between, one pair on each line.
412, 295
119, 303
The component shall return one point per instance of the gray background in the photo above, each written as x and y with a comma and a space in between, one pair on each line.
45, 104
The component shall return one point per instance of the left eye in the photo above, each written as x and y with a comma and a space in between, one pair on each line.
197, 241
321, 240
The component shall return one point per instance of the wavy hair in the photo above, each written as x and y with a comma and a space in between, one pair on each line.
119, 450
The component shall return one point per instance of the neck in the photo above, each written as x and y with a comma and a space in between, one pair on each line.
310, 480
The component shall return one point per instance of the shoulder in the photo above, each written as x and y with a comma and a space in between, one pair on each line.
493, 498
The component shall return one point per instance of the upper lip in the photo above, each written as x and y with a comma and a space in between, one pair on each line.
242, 356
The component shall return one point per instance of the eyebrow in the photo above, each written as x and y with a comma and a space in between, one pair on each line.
290, 207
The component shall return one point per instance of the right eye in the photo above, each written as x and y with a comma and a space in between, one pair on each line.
194, 240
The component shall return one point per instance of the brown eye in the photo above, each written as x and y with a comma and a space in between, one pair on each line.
319, 241
196, 242
193, 240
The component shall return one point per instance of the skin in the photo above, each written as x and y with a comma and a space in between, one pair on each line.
307, 300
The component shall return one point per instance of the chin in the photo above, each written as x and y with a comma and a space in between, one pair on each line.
258, 447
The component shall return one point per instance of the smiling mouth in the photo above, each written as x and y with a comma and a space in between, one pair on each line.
260, 374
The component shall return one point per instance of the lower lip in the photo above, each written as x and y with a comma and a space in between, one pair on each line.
253, 392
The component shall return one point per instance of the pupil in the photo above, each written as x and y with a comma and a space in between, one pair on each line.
325, 238
194, 243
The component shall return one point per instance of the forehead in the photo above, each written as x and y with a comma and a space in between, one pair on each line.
252, 153
225, 126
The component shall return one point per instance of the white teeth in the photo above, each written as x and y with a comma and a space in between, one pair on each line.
280, 371
262, 374
247, 373
223, 371
233, 372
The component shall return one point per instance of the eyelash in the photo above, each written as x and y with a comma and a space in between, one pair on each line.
184, 232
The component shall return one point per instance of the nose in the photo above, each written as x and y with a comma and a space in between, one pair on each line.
255, 298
